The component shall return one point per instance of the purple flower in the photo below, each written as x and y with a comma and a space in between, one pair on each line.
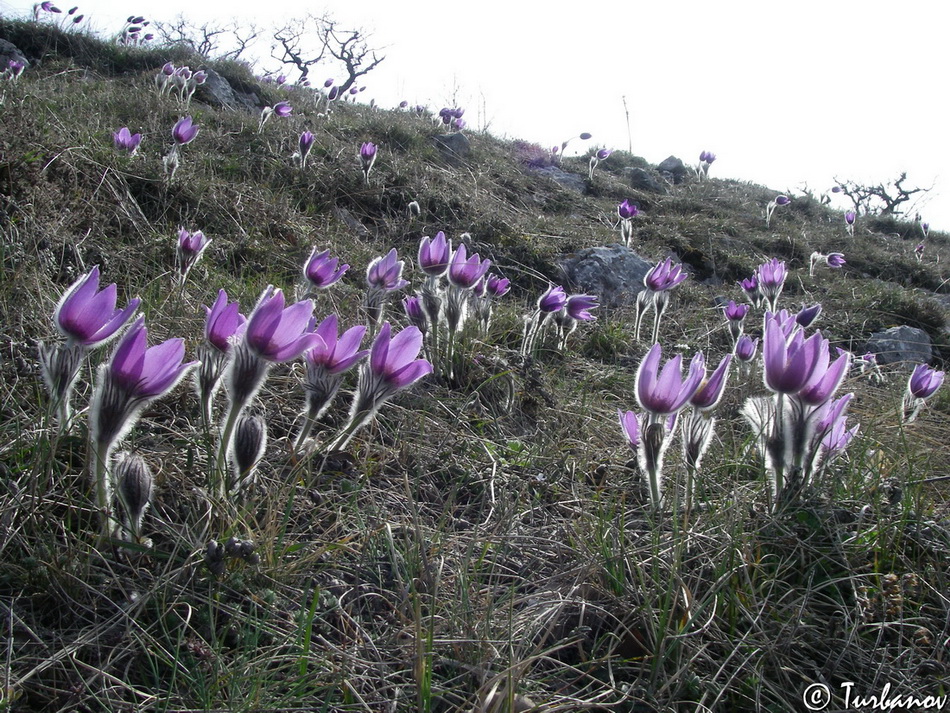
750, 286
278, 334
578, 307
368, 152
89, 316
820, 390
495, 285
782, 200
385, 273
184, 131
835, 260
412, 304
710, 391
393, 360
584, 136
224, 323
333, 93
367, 158
630, 424
924, 382
321, 270
434, 254
464, 271
126, 141
199, 77
627, 210
327, 84
193, 244
807, 315
306, 142
553, 300
790, 364
771, 278
15, 68
735, 312
603, 154
283, 109
664, 276
666, 392
146, 373
333, 354
849, 217
746, 348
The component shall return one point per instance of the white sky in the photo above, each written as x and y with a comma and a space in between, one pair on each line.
784, 93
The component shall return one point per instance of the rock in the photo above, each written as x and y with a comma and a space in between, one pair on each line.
8, 52
217, 91
643, 180
454, 146
571, 181
675, 168
901, 344
613, 272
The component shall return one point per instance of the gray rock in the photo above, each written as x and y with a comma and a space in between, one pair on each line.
675, 168
9, 51
571, 181
613, 272
454, 147
901, 344
217, 91
643, 180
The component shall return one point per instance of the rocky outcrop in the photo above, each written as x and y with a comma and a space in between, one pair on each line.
902, 344
613, 272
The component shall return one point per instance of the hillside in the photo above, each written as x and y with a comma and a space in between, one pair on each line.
487, 542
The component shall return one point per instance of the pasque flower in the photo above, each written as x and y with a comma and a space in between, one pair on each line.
553, 300
135, 375
465, 271
184, 131
849, 218
735, 317
126, 141
224, 326
384, 275
658, 282
578, 307
274, 333
190, 248
598, 156
392, 366
773, 204
630, 425
88, 318
550, 303
327, 362
922, 384
662, 394
306, 143
321, 271
770, 277
367, 158
666, 392
807, 315
627, 210
434, 254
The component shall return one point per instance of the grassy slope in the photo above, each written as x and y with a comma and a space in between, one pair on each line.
460, 546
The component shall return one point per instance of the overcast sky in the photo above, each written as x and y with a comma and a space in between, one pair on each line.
786, 94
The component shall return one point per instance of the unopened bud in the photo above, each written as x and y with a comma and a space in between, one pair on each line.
135, 488
250, 442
